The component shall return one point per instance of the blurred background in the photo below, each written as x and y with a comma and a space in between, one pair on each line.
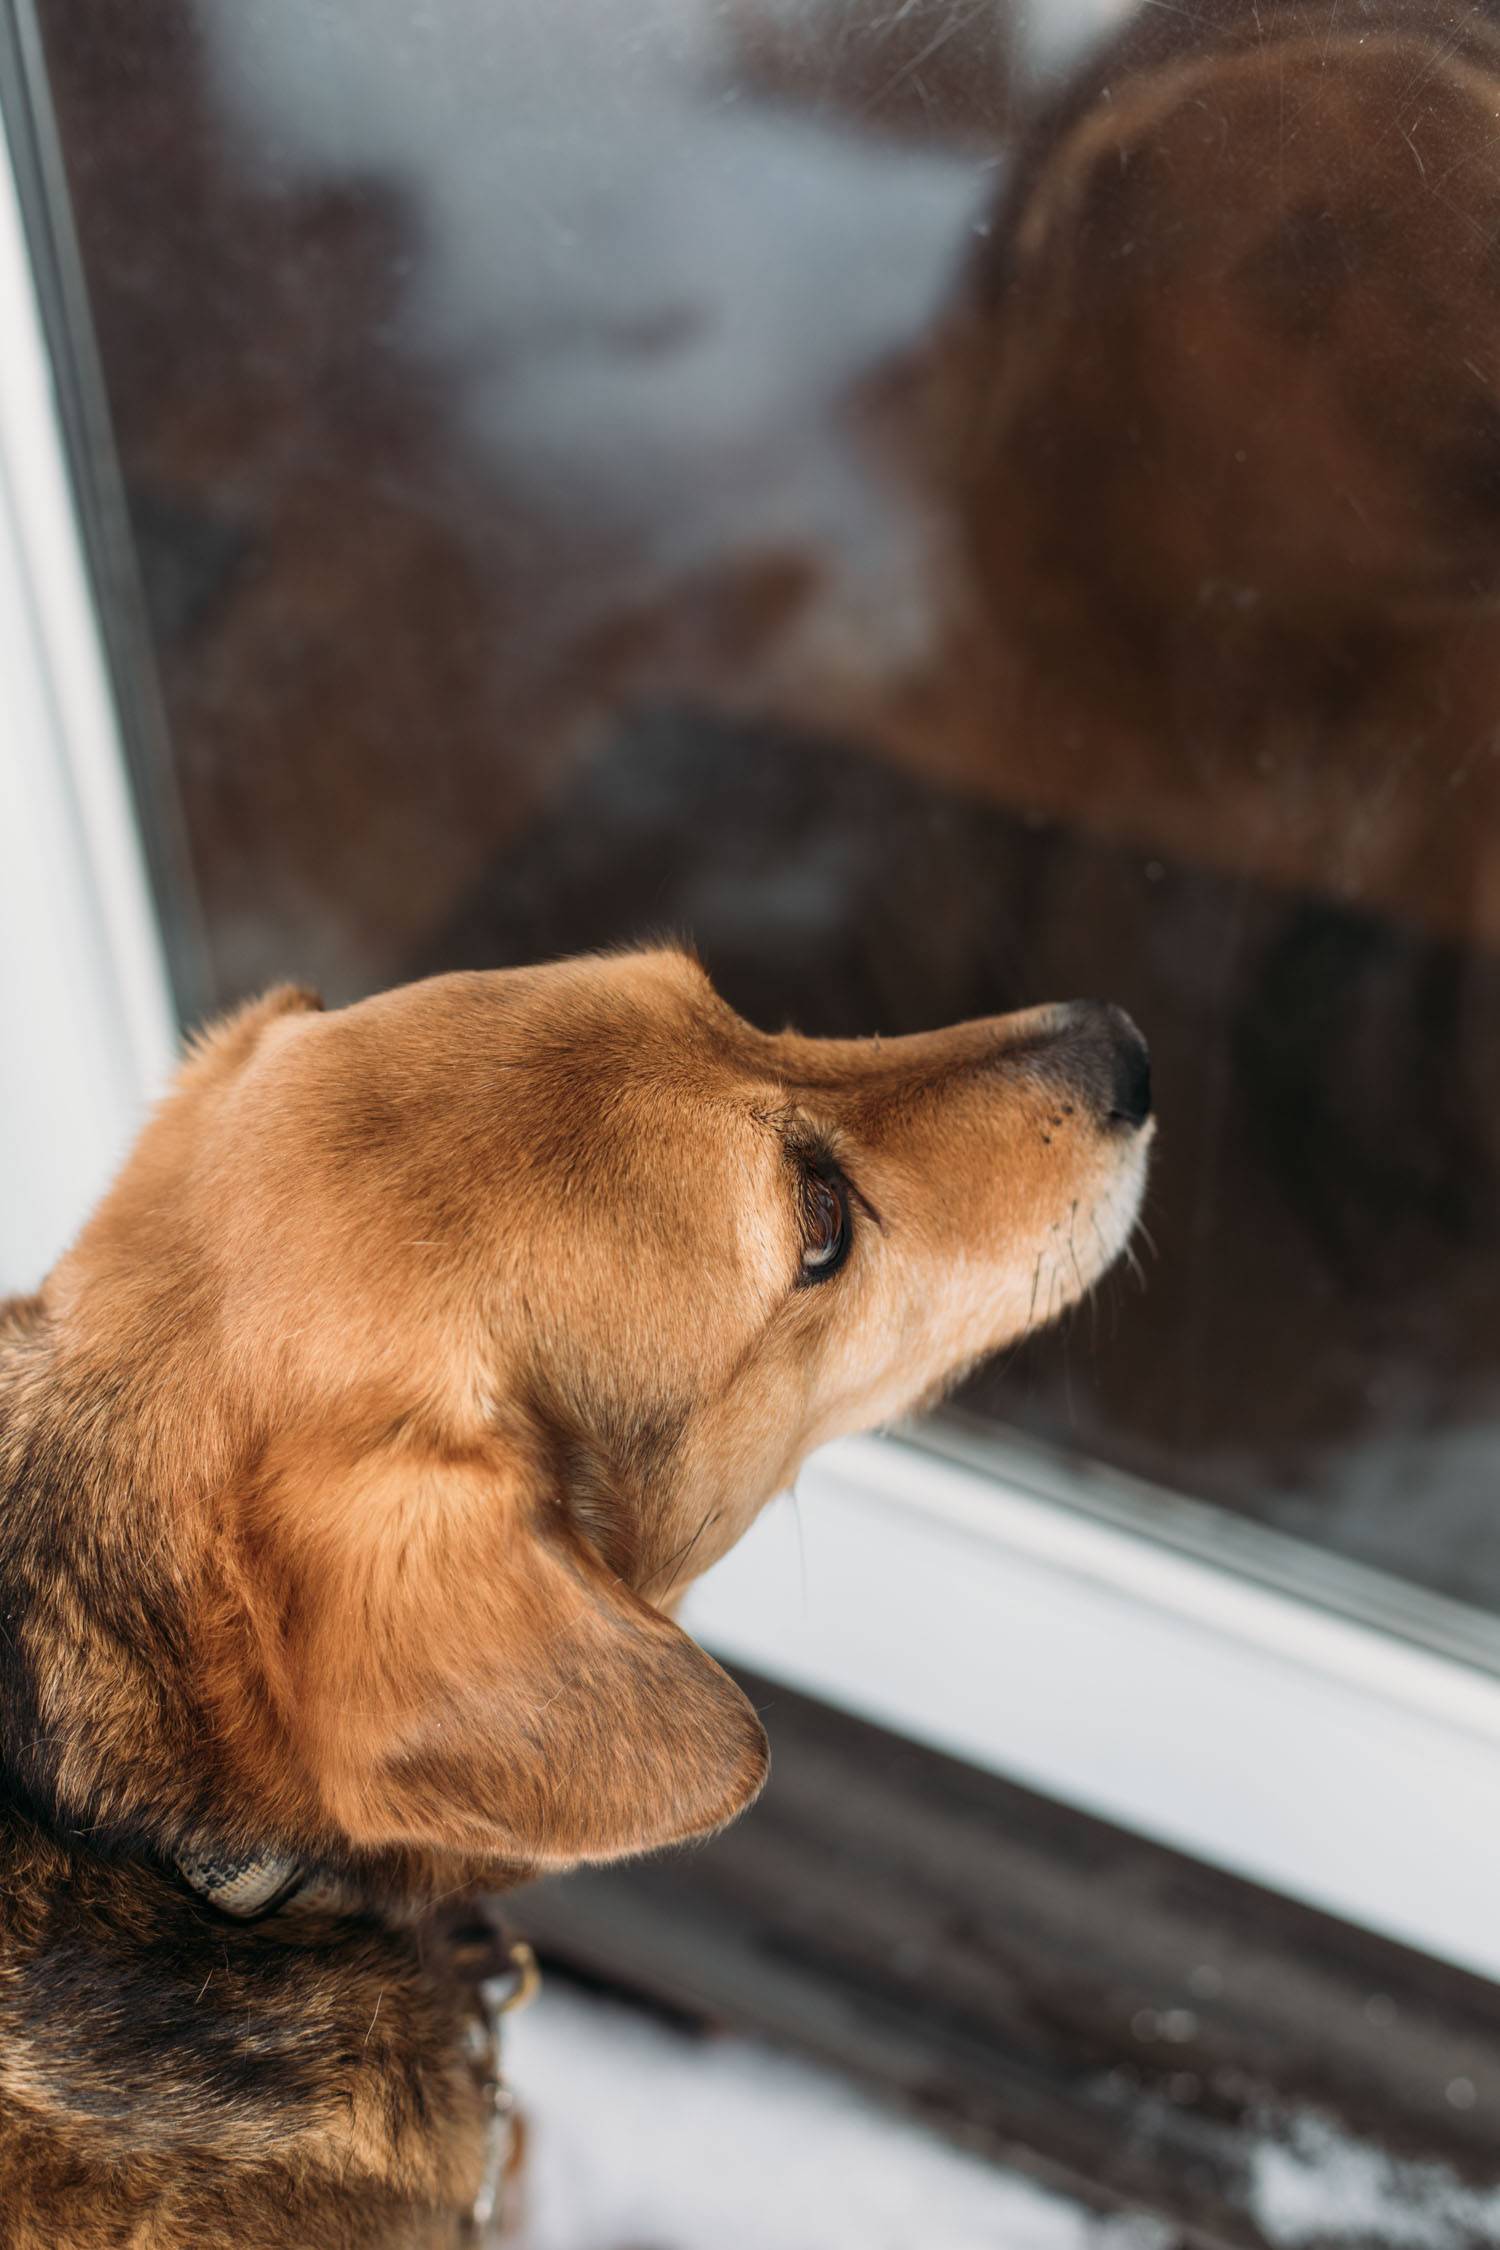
949, 504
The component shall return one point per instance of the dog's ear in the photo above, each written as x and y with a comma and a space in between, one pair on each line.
463, 1674
128, 1276
220, 1047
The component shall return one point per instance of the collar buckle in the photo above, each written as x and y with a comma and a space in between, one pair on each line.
244, 1888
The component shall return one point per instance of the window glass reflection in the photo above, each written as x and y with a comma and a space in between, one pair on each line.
950, 505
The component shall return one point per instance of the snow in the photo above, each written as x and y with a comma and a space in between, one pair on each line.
1315, 2185
642, 2137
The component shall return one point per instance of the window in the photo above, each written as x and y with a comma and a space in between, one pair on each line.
951, 508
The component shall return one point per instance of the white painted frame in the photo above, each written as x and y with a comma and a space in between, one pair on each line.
1028, 1630
86, 1020
1215, 1711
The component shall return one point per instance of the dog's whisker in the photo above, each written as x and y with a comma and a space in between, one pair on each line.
795, 1498
683, 1551
1073, 1253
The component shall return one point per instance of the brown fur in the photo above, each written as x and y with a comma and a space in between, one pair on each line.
422, 1354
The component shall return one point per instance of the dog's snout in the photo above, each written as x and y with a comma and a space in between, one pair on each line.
1112, 1061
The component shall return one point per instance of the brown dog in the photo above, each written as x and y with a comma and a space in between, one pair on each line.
422, 1353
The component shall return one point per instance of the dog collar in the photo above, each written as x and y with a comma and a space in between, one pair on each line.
246, 1887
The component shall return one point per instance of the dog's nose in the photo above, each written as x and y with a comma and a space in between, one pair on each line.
1132, 1083
1112, 1060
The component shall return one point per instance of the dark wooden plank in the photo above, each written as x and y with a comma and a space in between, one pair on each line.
1110, 2015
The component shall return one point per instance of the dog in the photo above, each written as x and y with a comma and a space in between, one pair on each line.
351, 1462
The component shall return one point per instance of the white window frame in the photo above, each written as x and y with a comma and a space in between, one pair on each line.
1319, 1728
86, 1020
1005, 1618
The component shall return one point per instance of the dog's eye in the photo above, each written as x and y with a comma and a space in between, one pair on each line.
826, 1231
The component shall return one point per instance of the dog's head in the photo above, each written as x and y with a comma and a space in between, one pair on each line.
458, 1330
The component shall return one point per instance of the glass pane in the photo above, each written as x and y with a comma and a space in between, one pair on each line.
951, 506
